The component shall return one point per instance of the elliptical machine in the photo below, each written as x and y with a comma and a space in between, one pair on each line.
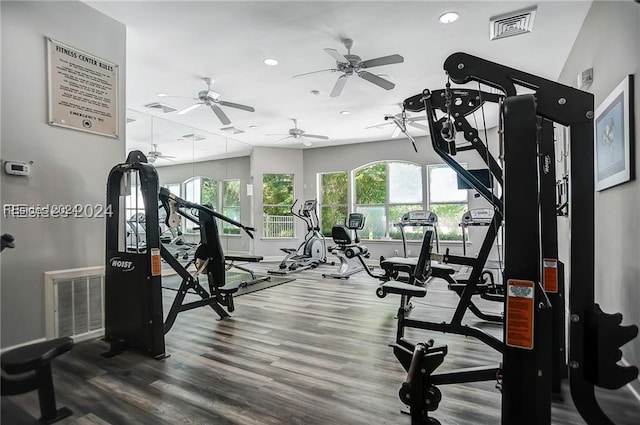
312, 251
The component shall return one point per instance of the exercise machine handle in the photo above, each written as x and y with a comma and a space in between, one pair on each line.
414, 368
7, 241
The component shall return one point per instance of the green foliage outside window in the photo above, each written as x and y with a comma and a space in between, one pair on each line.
277, 198
333, 200
277, 189
209, 192
449, 216
371, 184
231, 205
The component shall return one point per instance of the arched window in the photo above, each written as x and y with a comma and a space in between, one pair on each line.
384, 191
203, 191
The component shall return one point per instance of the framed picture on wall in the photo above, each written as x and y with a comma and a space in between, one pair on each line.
614, 154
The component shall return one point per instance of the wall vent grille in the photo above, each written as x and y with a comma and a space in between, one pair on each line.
75, 303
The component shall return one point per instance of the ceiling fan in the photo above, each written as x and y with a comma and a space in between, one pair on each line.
297, 133
154, 154
350, 64
400, 121
211, 99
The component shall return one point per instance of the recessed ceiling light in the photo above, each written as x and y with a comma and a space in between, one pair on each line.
270, 62
253, 127
449, 17
345, 112
161, 94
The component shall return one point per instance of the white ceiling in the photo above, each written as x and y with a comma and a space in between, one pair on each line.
173, 45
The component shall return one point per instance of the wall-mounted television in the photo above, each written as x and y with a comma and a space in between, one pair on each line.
482, 174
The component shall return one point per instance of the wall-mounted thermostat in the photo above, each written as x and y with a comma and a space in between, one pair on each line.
17, 168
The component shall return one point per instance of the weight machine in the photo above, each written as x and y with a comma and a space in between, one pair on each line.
133, 283
528, 351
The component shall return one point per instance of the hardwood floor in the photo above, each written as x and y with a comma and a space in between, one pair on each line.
311, 351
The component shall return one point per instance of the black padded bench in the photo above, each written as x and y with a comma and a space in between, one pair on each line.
28, 368
408, 266
401, 288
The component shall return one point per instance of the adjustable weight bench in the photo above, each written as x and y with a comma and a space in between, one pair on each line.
28, 368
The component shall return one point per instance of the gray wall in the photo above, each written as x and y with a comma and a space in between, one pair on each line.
70, 167
608, 42
223, 169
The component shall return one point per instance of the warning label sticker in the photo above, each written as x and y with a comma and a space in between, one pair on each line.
550, 276
519, 320
156, 262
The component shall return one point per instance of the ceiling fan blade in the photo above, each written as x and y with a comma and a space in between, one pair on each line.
189, 108
420, 126
337, 89
277, 134
237, 106
337, 56
224, 119
314, 72
378, 81
378, 126
315, 136
396, 132
385, 60
282, 140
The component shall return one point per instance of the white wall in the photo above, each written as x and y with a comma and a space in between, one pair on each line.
608, 42
70, 167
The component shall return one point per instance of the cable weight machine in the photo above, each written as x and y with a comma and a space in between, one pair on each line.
526, 368
134, 317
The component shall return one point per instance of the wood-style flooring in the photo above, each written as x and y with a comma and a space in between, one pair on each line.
311, 351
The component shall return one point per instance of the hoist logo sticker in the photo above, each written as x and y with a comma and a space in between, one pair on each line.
123, 265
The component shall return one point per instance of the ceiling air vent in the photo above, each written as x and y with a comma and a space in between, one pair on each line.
193, 136
161, 106
511, 24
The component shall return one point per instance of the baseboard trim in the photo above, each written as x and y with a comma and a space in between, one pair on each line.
22, 344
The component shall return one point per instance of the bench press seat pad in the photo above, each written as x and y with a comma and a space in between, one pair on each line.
404, 264
34, 356
401, 288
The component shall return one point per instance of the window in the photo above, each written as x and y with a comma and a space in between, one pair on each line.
446, 201
384, 192
333, 200
277, 198
173, 188
231, 205
203, 191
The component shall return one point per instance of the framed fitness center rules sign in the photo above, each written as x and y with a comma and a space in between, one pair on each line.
83, 90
